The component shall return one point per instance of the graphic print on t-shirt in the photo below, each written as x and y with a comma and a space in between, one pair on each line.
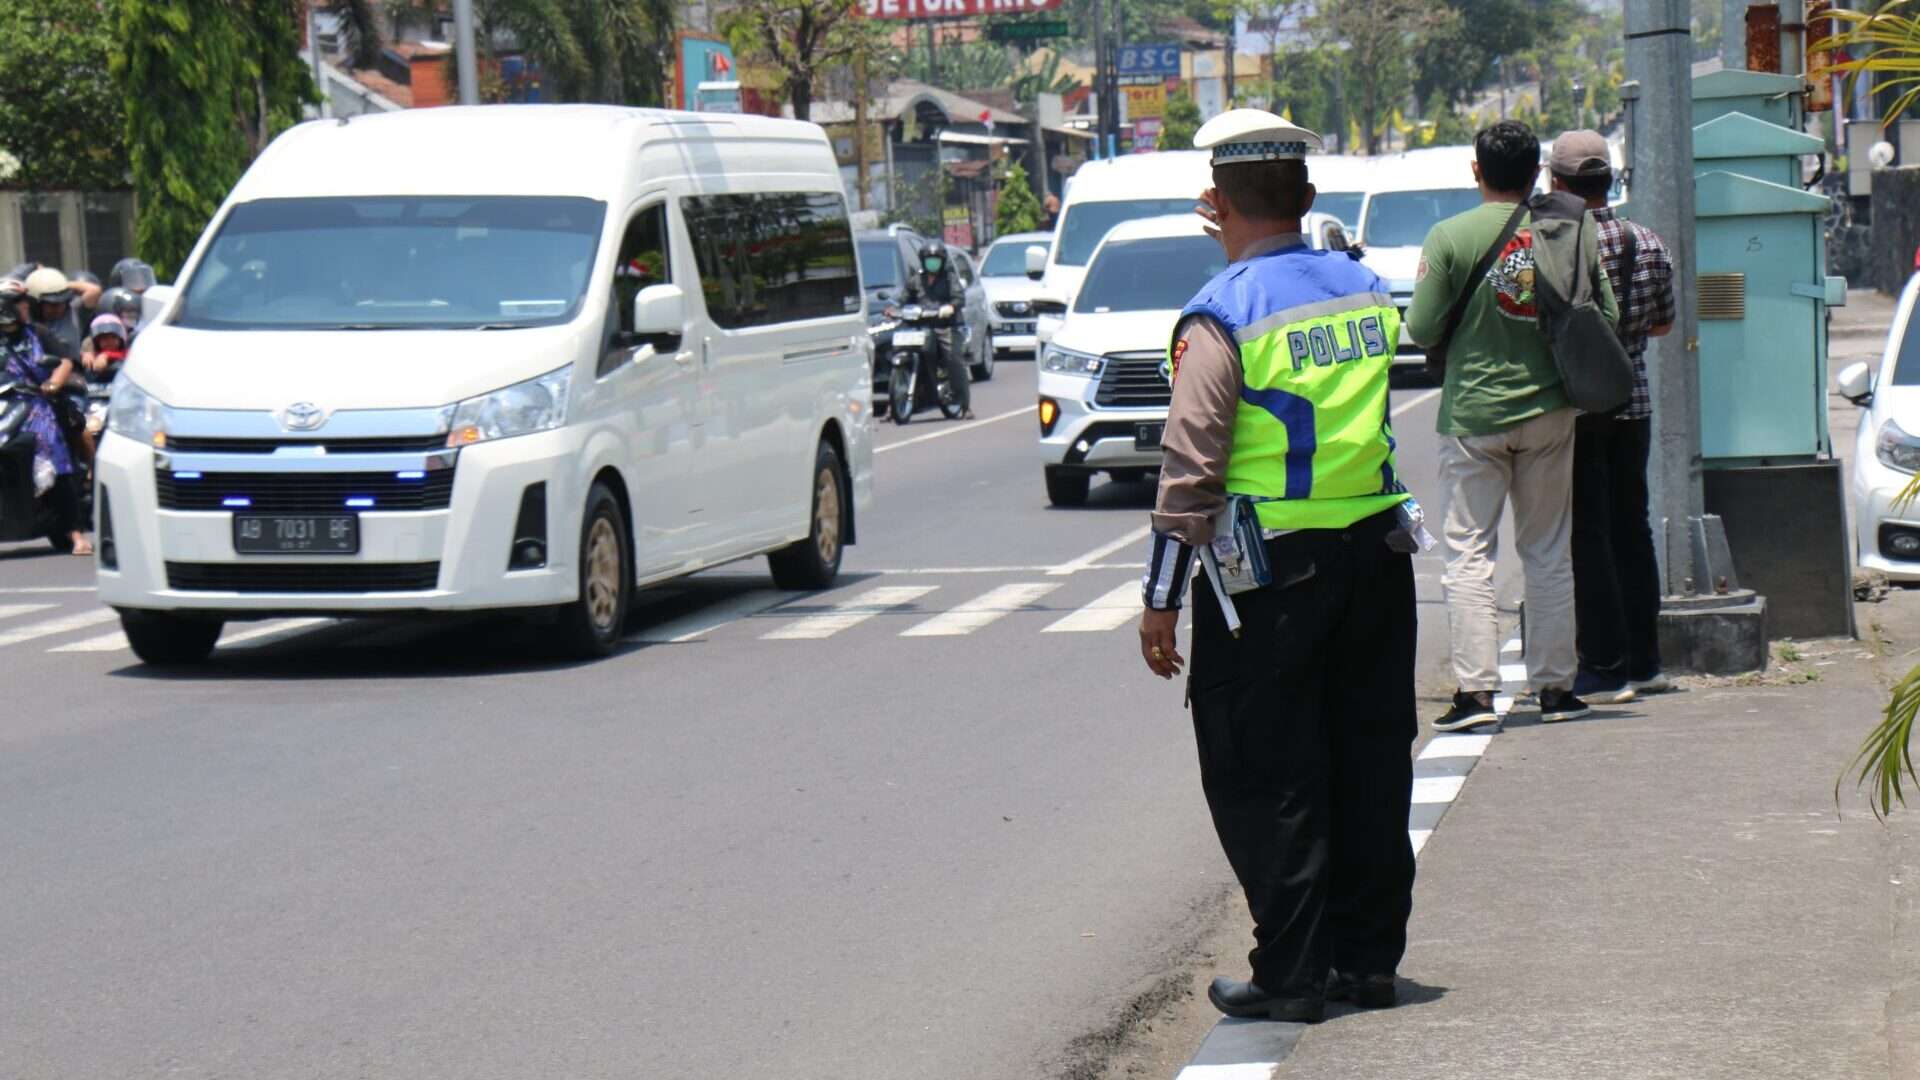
1512, 277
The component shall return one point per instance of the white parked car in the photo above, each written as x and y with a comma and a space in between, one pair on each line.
404, 372
1010, 291
1886, 452
1104, 378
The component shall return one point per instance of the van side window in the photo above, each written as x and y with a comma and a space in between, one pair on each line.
773, 257
643, 262
965, 265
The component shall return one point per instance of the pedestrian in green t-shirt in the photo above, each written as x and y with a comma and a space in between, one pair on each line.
1506, 433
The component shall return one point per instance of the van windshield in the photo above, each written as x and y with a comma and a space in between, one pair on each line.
1153, 274
1403, 218
1086, 223
396, 263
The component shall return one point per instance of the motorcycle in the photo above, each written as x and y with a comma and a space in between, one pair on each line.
24, 514
915, 352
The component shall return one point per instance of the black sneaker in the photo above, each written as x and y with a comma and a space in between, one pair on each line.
1470, 710
1557, 705
1366, 991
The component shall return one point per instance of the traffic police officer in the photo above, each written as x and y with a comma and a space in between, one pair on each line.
1304, 713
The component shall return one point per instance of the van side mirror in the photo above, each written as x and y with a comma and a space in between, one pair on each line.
1036, 262
659, 311
1855, 383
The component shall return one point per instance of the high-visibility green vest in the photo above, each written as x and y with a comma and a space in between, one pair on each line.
1312, 438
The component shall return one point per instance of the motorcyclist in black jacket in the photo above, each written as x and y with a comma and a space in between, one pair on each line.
938, 283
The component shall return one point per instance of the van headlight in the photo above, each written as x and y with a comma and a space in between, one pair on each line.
1067, 362
1896, 449
539, 404
136, 414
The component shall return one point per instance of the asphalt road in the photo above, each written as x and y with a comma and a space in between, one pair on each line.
944, 834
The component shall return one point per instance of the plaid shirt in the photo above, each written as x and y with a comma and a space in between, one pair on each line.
1647, 300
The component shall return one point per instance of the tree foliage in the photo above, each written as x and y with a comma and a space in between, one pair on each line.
1182, 119
618, 52
1456, 53
802, 40
1379, 39
61, 117
207, 84
1018, 211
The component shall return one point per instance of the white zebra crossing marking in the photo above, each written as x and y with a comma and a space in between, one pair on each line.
1113, 610
849, 613
707, 620
64, 624
117, 641
1436, 789
979, 611
8, 611
1445, 746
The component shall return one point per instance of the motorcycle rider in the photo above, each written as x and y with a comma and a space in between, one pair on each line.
56, 319
937, 283
29, 365
132, 275
107, 342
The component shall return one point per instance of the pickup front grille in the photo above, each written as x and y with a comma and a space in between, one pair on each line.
303, 492
1133, 381
249, 577
403, 444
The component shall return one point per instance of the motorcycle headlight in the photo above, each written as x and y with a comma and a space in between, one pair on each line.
136, 414
1067, 362
539, 404
1896, 449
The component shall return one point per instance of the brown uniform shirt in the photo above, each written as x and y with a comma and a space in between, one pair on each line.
1199, 435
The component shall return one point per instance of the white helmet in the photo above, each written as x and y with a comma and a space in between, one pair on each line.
49, 286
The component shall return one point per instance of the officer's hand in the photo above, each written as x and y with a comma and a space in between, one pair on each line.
1157, 630
1209, 210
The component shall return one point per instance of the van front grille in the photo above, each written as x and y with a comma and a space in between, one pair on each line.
303, 492
401, 444
1133, 381
303, 577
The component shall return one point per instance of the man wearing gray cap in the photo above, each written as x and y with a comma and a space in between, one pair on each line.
1616, 580
1279, 473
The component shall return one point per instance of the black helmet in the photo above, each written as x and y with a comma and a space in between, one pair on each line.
933, 255
131, 274
12, 291
122, 302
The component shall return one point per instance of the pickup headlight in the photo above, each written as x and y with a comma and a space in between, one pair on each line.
136, 414
1067, 362
1896, 449
539, 404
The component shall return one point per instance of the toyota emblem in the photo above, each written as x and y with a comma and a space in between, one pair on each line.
1166, 371
1019, 307
302, 416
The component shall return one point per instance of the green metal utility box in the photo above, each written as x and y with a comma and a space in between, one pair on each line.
1763, 292
1738, 143
1777, 99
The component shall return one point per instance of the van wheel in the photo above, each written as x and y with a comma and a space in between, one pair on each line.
813, 563
590, 626
164, 639
1066, 488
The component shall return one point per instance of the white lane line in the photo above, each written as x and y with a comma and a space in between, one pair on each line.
980, 611
1418, 838
849, 612
1514, 673
64, 624
49, 589
113, 642
272, 628
956, 429
701, 623
1056, 568
1446, 746
1428, 790
1076, 565
1248, 1070
1415, 402
8, 611
1113, 610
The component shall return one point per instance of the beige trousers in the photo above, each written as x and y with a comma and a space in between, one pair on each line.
1531, 464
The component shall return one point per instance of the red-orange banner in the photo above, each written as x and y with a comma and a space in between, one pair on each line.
950, 9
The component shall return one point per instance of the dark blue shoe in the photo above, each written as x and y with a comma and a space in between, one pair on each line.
1600, 690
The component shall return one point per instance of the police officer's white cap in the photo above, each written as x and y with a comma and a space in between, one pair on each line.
1238, 136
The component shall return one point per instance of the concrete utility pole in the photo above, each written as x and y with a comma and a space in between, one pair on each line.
1102, 115
1733, 32
1659, 58
463, 58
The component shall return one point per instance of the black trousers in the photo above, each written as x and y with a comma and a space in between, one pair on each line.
1304, 724
959, 372
1616, 576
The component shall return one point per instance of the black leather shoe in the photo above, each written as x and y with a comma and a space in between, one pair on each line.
1245, 1000
1366, 991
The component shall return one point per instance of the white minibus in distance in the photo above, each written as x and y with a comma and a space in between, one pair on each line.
506, 357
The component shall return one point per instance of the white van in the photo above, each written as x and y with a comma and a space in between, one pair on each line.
1102, 194
525, 357
1410, 193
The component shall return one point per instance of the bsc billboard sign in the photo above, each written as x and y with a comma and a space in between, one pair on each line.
951, 9
1147, 63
